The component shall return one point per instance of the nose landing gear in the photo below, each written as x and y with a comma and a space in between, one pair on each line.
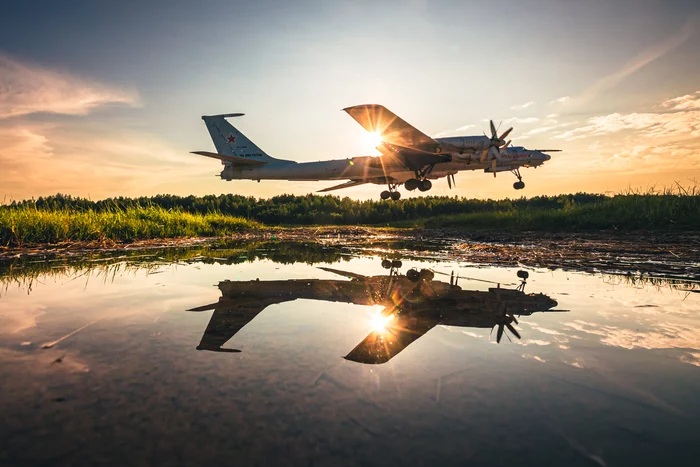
519, 185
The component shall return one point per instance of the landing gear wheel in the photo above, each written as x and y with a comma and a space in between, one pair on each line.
395, 195
385, 194
386, 264
412, 275
519, 185
412, 184
425, 185
396, 263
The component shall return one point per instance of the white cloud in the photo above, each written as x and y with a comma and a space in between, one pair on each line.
682, 120
687, 102
522, 106
561, 100
27, 88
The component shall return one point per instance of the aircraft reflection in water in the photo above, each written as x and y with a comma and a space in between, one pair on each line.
413, 304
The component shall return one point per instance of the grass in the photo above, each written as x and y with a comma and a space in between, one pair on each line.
26, 225
678, 211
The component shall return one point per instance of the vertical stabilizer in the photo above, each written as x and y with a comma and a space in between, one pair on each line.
231, 142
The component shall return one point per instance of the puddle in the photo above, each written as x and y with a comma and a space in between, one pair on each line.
313, 354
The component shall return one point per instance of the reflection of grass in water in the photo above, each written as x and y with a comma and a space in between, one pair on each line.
25, 271
635, 281
22, 225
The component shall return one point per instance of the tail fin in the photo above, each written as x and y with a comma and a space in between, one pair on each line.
231, 142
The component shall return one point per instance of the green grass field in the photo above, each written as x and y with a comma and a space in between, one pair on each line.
26, 225
64, 219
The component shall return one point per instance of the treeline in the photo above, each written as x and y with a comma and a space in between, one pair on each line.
314, 209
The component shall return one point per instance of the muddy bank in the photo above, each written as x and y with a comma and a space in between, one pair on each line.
637, 254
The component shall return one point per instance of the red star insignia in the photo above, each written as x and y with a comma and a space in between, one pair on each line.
231, 139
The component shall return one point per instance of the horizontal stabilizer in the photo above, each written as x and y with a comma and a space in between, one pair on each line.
235, 160
351, 275
349, 184
223, 115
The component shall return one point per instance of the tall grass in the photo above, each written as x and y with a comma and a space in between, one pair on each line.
672, 209
25, 225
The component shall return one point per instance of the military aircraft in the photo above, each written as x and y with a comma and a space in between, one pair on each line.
409, 157
413, 304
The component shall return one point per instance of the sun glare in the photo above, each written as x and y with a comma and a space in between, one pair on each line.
380, 323
372, 139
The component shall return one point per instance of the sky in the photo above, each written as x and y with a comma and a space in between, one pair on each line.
101, 99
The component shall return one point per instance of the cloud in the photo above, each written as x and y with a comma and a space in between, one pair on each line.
28, 88
643, 59
522, 106
687, 102
682, 120
521, 120
41, 159
560, 100
452, 132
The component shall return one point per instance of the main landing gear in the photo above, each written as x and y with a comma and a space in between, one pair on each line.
420, 182
421, 185
391, 192
519, 185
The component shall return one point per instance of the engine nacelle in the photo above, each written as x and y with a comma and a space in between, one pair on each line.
464, 143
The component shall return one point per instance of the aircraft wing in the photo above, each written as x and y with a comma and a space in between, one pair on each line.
349, 184
393, 129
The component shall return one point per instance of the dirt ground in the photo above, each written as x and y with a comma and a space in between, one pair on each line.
668, 255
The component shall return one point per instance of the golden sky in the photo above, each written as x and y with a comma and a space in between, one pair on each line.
113, 109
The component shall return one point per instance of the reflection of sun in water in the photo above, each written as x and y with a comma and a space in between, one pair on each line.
381, 323
372, 139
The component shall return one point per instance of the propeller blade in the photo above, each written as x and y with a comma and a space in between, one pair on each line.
499, 334
506, 133
483, 155
449, 182
494, 162
493, 129
514, 320
454, 181
452, 276
512, 329
505, 146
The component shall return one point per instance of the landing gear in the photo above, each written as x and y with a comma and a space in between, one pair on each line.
391, 192
412, 184
519, 185
422, 185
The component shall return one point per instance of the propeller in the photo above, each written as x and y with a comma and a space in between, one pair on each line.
496, 144
502, 327
451, 181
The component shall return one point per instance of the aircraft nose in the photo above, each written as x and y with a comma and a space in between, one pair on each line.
546, 156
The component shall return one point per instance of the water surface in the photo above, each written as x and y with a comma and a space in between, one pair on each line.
345, 360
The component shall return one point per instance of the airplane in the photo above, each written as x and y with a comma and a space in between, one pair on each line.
409, 157
413, 304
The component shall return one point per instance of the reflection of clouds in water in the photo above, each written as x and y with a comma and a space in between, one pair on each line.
536, 327
16, 320
534, 357
533, 342
691, 357
669, 336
